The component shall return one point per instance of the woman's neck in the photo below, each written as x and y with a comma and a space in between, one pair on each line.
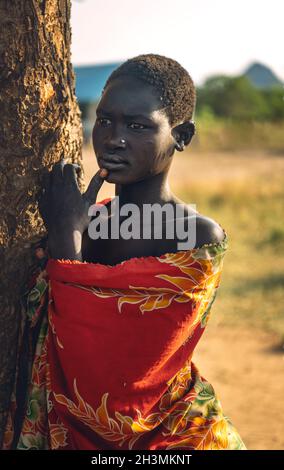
152, 190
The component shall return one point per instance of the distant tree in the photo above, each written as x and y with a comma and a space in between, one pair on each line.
40, 122
233, 97
275, 102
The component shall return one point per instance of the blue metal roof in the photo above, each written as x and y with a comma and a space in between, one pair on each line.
90, 80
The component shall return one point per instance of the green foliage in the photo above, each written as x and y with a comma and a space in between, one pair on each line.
235, 98
275, 101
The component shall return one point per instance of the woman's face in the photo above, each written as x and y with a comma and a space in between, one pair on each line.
132, 136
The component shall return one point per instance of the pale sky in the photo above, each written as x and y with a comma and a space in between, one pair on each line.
205, 36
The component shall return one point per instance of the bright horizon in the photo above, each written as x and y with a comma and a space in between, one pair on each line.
206, 37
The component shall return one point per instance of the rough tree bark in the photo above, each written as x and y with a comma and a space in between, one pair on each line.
40, 122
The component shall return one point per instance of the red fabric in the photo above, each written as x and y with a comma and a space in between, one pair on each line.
119, 335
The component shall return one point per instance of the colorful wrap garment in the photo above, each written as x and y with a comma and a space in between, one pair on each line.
110, 366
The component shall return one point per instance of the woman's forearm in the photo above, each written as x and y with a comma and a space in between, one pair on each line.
66, 245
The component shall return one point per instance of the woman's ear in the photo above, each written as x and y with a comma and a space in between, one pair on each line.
183, 134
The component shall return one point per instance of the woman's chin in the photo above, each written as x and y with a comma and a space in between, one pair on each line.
116, 177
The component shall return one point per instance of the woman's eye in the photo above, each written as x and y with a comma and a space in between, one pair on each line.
137, 125
103, 121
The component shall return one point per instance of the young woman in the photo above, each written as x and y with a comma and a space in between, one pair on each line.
115, 319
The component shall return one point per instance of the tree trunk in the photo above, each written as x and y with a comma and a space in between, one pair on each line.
40, 122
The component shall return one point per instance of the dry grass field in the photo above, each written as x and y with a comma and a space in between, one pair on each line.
241, 352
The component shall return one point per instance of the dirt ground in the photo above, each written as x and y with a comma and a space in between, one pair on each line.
245, 365
246, 369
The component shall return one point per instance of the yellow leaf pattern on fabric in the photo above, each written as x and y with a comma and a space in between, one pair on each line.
121, 430
191, 425
202, 278
58, 435
202, 434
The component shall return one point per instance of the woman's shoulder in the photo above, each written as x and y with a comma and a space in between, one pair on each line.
208, 231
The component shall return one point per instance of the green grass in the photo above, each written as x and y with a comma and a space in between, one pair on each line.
227, 135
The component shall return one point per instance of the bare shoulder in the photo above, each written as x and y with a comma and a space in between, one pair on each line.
208, 231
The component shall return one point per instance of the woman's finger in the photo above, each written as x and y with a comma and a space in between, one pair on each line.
95, 184
57, 172
70, 175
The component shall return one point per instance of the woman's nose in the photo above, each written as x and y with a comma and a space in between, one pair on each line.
115, 140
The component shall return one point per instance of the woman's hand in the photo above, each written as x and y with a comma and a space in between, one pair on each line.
65, 210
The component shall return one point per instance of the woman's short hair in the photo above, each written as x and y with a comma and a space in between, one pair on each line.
173, 83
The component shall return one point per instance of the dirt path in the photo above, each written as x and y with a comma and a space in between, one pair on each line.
246, 369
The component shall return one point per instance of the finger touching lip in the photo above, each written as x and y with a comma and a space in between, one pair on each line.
103, 173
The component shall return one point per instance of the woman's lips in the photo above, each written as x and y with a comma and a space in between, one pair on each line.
112, 164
